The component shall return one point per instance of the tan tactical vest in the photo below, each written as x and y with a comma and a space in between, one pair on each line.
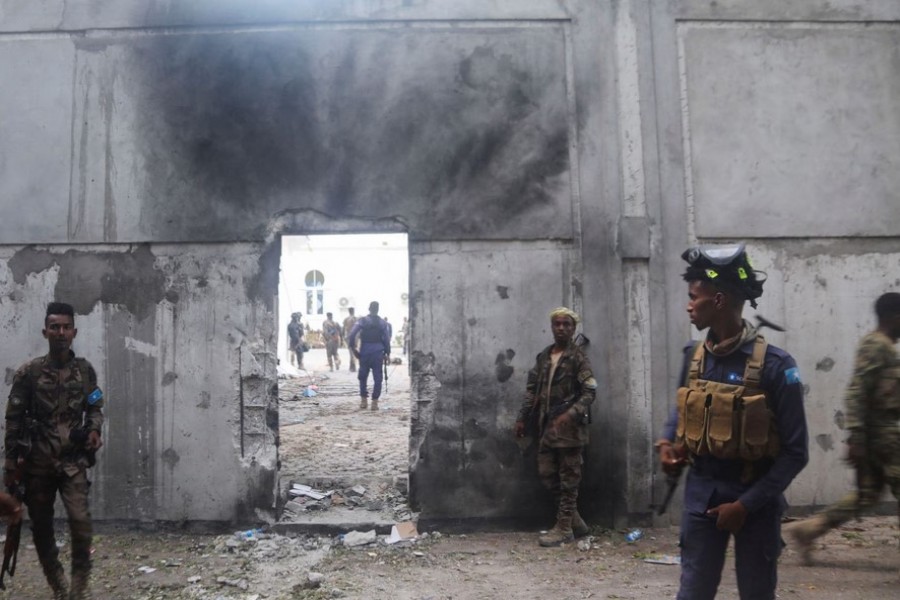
725, 420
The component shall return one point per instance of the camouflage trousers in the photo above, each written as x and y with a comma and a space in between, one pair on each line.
40, 495
331, 350
880, 467
560, 472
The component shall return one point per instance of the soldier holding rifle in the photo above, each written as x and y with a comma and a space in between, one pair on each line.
53, 423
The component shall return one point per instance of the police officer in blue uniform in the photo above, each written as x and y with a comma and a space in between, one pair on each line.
739, 424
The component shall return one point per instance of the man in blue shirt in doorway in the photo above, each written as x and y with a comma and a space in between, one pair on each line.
374, 352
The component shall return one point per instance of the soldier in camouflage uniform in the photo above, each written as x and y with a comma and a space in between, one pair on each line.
333, 335
559, 393
53, 423
349, 322
873, 414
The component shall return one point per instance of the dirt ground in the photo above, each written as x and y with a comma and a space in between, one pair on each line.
325, 439
327, 436
859, 561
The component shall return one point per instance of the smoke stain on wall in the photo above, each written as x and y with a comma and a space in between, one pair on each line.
129, 279
452, 133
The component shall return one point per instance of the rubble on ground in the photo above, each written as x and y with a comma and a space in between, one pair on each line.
384, 498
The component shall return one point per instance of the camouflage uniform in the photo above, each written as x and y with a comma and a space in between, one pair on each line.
45, 404
349, 322
873, 412
331, 331
572, 389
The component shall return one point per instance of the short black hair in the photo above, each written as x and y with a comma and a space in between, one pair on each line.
373, 307
329, 315
887, 305
59, 308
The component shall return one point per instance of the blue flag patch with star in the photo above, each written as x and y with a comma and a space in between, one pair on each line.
792, 375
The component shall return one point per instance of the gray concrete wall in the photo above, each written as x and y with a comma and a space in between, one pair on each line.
186, 358
537, 153
780, 128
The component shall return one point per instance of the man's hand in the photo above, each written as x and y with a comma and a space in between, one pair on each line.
729, 516
93, 441
387, 359
562, 419
10, 508
670, 459
9, 472
519, 429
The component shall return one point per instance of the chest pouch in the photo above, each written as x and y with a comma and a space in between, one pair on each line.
724, 420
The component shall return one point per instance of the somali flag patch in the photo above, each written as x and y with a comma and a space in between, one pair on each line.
792, 375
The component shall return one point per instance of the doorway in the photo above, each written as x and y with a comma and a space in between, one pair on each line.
339, 462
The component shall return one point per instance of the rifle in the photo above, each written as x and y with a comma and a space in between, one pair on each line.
384, 364
672, 482
13, 530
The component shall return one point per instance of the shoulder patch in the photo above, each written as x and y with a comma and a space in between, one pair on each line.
591, 384
792, 375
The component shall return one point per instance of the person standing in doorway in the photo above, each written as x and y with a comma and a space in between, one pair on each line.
53, 421
374, 353
740, 424
560, 390
349, 322
873, 414
333, 335
295, 338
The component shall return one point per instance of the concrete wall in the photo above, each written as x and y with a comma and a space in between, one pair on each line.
537, 152
780, 128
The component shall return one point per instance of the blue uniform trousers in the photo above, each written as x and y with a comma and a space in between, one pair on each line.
756, 549
371, 359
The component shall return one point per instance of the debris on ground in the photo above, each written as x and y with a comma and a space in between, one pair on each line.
359, 538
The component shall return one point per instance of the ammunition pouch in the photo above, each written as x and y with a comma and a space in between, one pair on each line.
726, 421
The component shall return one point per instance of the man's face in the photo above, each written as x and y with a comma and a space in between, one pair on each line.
703, 301
59, 330
563, 329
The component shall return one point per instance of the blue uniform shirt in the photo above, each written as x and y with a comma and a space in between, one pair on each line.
712, 481
383, 344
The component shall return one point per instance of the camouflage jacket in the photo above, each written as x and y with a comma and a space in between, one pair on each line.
331, 331
45, 405
873, 396
572, 389
349, 322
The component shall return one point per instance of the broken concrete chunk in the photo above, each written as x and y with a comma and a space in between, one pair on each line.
359, 538
356, 490
299, 489
238, 583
